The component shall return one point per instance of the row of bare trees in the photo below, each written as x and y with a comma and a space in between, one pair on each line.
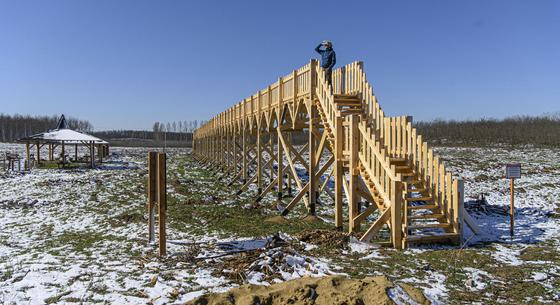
162, 131
13, 127
541, 130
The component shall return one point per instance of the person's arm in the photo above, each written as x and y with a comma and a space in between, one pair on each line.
333, 61
318, 49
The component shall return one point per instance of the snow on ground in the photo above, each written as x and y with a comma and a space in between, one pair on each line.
79, 235
67, 234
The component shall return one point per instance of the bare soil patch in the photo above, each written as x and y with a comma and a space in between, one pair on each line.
307, 291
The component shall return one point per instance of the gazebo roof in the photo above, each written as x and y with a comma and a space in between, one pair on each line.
63, 133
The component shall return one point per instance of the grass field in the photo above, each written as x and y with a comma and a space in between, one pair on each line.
80, 236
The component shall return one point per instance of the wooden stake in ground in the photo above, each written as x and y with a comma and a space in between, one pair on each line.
162, 202
152, 186
513, 171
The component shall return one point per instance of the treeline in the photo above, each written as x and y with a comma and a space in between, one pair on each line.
143, 135
519, 130
13, 127
177, 126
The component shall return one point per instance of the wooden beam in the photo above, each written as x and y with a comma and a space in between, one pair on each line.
162, 203
353, 208
152, 191
291, 163
339, 178
376, 226
312, 162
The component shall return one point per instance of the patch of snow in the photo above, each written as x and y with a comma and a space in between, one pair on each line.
507, 255
539, 276
400, 297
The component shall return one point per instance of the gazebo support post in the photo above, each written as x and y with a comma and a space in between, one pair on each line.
75, 152
92, 154
63, 154
38, 153
27, 161
100, 153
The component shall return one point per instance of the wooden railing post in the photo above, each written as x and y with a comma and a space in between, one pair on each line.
458, 202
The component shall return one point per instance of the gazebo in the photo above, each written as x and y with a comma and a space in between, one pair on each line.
62, 136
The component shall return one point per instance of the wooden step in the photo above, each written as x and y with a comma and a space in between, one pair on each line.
428, 226
418, 190
351, 111
394, 160
418, 199
412, 181
426, 216
431, 238
404, 168
407, 174
421, 207
348, 102
353, 95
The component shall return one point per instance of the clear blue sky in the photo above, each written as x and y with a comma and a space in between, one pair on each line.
125, 64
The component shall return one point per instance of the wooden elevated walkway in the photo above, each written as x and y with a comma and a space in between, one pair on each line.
384, 172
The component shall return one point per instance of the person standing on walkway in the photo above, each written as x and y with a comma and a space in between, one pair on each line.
328, 58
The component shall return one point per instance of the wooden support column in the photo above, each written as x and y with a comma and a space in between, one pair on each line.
259, 160
75, 152
227, 151
100, 153
396, 214
288, 155
92, 154
234, 165
38, 152
27, 161
338, 172
244, 153
50, 155
271, 150
280, 161
62, 151
312, 166
353, 206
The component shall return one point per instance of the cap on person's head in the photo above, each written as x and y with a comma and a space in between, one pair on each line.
327, 43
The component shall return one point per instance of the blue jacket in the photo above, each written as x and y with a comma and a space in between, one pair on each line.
328, 57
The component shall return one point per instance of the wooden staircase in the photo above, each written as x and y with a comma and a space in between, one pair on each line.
424, 221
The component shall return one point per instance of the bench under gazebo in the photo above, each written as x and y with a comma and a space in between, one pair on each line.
65, 138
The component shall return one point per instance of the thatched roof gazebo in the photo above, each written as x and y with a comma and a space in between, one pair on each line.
62, 136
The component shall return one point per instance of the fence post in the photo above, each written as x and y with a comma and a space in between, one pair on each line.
152, 182
162, 202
